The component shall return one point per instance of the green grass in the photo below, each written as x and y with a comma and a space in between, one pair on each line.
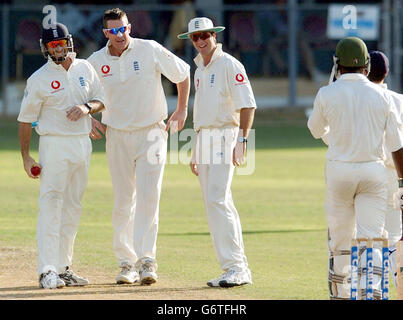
280, 205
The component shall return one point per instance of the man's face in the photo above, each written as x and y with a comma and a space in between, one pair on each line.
119, 38
58, 49
204, 42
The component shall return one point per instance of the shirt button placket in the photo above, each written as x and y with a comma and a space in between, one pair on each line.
122, 70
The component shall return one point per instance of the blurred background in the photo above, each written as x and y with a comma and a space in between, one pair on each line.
286, 46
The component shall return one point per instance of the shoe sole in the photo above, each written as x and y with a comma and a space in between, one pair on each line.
148, 281
224, 284
210, 284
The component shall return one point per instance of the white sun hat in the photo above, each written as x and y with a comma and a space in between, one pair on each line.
200, 25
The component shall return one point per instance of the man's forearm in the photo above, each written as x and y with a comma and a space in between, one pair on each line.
246, 121
398, 161
24, 134
96, 106
183, 93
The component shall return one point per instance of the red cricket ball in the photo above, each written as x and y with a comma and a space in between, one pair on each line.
35, 171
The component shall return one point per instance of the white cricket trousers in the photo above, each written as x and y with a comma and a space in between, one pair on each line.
215, 179
356, 205
65, 162
393, 222
136, 162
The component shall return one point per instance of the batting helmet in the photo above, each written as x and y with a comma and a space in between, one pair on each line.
352, 52
56, 32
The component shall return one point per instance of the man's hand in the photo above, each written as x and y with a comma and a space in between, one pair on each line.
77, 112
29, 162
193, 163
398, 199
97, 129
177, 120
238, 157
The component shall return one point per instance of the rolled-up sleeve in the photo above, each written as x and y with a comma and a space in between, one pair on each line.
317, 123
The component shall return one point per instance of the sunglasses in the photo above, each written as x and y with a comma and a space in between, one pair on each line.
117, 30
54, 44
202, 35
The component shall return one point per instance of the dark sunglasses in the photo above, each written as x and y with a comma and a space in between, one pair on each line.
117, 30
202, 35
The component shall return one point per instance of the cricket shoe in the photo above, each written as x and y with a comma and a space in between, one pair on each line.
148, 271
50, 280
128, 275
231, 278
73, 280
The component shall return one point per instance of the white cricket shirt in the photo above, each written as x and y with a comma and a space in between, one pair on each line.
134, 96
359, 114
51, 91
398, 100
222, 89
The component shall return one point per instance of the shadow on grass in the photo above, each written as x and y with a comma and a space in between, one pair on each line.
93, 290
244, 232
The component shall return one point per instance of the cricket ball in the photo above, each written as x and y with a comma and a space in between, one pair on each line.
35, 170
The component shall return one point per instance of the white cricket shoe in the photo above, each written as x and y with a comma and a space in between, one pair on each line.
128, 275
231, 278
71, 279
50, 280
148, 271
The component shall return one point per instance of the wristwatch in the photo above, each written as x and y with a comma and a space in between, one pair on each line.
400, 180
242, 139
88, 106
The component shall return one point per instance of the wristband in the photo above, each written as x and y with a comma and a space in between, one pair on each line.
400, 180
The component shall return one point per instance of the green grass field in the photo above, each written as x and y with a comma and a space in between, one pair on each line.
281, 209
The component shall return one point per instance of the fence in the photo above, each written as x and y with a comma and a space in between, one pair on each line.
284, 48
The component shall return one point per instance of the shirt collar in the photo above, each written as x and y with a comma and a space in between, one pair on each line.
217, 54
53, 65
354, 77
131, 45
383, 85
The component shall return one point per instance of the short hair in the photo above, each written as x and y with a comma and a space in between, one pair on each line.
113, 14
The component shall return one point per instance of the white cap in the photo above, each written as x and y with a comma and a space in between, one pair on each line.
200, 25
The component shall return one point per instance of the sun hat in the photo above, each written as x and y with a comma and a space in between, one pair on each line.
201, 24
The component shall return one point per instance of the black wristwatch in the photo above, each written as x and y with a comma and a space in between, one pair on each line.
88, 106
400, 180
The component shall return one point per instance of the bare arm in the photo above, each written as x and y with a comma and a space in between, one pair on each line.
179, 116
79, 111
398, 161
245, 123
24, 134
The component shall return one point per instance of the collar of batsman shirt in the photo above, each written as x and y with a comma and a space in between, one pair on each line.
222, 89
134, 96
52, 90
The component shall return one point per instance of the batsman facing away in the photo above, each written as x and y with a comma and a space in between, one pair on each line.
357, 119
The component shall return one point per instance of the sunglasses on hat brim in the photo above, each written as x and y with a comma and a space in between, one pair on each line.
54, 44
115, 31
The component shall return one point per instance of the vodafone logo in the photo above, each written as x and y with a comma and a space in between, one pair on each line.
105, 69
239, 77
55, 84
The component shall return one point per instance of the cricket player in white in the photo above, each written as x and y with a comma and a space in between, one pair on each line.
224, 111
361, 117
59, 96
136, 138
393, 221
